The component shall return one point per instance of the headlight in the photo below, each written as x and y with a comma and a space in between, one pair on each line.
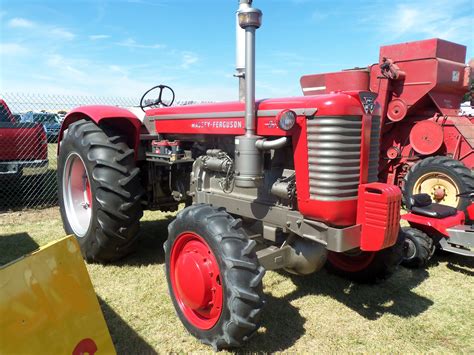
286, 120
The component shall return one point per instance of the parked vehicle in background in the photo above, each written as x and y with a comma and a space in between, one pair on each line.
466, 109
17, 117
50, 121
62, 115
22, 144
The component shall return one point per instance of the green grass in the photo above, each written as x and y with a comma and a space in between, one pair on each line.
415, 311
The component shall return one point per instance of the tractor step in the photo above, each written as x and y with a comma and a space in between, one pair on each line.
460, 241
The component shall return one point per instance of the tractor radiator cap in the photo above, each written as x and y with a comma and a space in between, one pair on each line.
426, 137
397, 110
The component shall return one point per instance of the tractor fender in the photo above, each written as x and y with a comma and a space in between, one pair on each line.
119, 118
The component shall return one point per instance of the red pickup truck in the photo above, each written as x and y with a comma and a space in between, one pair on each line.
22, 145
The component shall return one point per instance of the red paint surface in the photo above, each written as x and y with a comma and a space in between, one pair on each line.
196, 280
21, 141
378, 211
85, 346
431, 90
118, 117
351, 263
327, 105
432, 225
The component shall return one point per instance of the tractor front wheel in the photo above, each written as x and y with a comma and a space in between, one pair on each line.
365, 266
99, 191
214, 278
418, 248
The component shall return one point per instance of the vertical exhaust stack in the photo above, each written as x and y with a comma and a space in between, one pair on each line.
240, 49
248, 159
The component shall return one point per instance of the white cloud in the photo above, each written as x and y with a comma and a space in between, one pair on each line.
118, 69
188, 59
43, 30
67, 67
98, 37
61, 33
430, 18
12, 49
18, 22
131, 43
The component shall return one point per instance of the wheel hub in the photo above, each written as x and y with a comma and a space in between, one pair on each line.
191, 269
439, 193
77, 194
409, 249
439, 186
351, 262
196, 280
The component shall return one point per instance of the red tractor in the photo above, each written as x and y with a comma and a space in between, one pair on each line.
426, 146
286, 183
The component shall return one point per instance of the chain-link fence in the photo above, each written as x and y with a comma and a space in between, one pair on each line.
29, 127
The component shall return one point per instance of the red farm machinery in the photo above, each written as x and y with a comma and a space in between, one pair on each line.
287, 183
426, 145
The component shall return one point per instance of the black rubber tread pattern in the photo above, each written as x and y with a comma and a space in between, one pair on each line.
424, 248
384, 264
461, 175
116, 190
240, 271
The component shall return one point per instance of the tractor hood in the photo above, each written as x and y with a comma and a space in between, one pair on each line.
228, 117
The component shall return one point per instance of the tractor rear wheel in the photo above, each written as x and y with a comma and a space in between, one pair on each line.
440, 177
418, 248
99, 191
365, 266
214, 278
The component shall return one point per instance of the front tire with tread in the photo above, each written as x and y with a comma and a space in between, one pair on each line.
367, 267
419, 248
239, 269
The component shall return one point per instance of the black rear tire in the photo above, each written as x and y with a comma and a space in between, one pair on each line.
454, 169
418, 248
367, 267
239, 270
115, 190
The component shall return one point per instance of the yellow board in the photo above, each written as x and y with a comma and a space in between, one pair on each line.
48, 304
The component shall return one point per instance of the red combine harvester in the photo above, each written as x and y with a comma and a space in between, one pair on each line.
286, 183
426, 146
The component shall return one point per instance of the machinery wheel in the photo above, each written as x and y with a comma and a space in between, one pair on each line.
99, 191
364, 266
214, 278
418, 248
442, 178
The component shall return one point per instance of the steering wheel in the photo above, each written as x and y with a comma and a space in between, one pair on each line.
158, 101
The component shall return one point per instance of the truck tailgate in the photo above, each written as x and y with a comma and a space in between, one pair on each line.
22, 141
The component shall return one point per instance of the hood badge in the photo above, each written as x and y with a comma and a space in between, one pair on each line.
368, 101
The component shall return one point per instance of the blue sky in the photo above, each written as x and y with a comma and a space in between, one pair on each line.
121, 48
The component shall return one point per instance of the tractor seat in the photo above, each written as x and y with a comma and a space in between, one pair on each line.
423, 206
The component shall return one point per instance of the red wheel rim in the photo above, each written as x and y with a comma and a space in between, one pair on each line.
88, 191
196, 280
351, 263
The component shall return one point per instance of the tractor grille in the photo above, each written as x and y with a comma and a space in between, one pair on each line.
374, 149
334, 157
